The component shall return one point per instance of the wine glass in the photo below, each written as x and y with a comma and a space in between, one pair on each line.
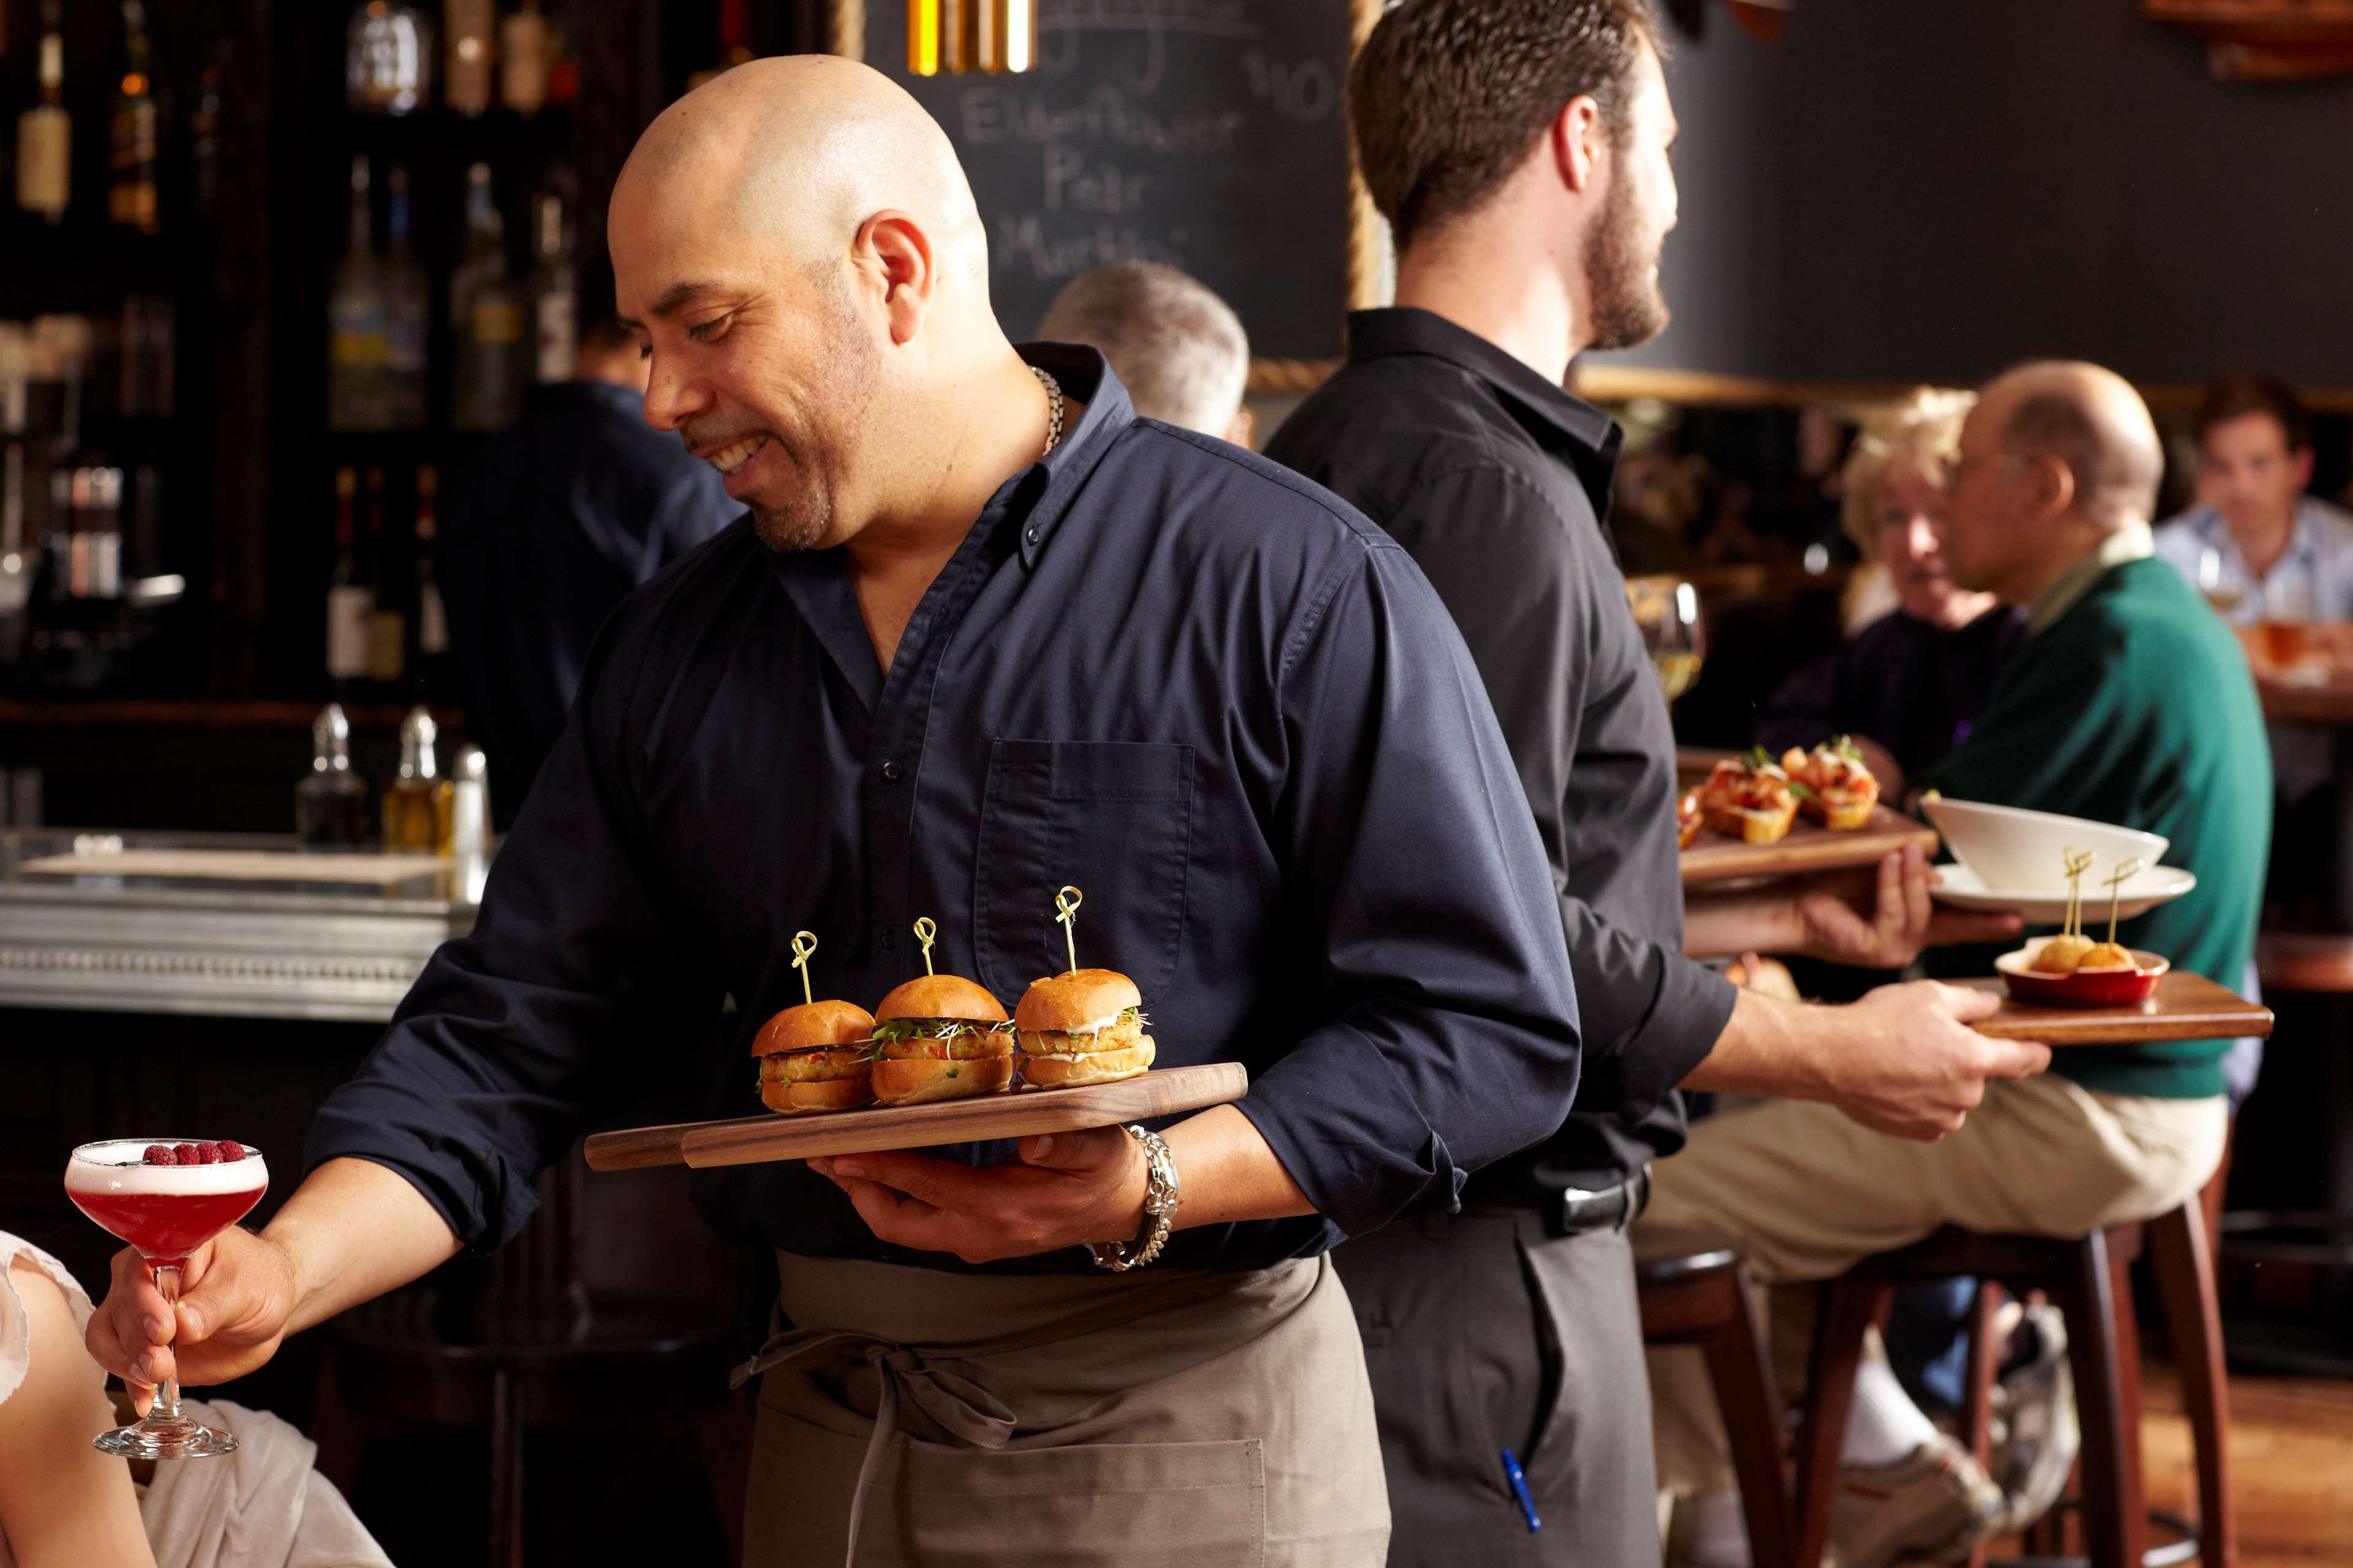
1667, 609
166, 1212
2223, 591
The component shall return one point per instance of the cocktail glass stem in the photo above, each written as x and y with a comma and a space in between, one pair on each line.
166, 1407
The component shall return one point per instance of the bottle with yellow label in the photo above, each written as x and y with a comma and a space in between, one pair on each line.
45, 133
486, 318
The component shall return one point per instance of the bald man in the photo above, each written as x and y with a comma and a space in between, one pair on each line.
2128, 703
981, 635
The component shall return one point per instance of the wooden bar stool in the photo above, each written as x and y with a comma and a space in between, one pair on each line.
2088, 1280
1696, 1291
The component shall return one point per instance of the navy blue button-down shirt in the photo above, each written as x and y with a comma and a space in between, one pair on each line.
1193, 685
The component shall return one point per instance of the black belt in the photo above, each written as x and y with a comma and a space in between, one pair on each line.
1572, 1211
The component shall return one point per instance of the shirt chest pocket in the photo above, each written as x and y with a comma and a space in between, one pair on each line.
1114, 819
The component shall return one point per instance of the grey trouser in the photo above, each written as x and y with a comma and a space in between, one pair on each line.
1482, 1333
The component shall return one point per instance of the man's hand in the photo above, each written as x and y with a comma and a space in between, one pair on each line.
1882, 918
236, 1294
1066, 1189
1905, 1061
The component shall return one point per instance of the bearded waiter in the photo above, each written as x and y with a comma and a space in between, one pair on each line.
984, 633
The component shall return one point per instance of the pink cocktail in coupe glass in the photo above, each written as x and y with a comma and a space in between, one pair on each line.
165, 1212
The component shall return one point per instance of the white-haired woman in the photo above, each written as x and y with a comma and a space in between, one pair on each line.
1909, 685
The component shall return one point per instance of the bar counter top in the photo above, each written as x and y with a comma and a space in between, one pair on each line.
242, 948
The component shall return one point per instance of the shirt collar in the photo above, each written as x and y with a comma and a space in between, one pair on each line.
1054, 481
2133, 542
1399, 330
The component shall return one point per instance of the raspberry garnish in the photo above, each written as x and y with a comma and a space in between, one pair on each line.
189, 1154
159, 1154
230, 1151
209, 1154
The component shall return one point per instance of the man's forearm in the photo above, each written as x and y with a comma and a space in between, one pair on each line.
1226, 1171
1726, 925
352, 1231
1769, 1046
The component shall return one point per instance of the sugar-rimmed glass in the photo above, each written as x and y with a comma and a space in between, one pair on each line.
165, 1212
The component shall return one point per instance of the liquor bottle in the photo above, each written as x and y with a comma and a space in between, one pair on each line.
555, 296
357, 324
429, 647
417, 807
330, 804
522, 59
388, 623
466, 87
486, 318
349, 598
131, 199
563, 52
406, 308
388, 59
44, 133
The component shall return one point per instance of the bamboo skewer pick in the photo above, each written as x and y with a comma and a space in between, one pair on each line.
925, 932
2077, 862
804, 943
1068, 901
2116, 880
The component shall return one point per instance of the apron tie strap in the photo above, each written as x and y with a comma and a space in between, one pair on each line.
960, 1406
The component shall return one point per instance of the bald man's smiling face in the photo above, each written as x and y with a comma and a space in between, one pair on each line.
761, 364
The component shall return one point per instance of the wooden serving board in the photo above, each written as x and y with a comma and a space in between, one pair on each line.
1808, 847
757, 1140
2186, 1007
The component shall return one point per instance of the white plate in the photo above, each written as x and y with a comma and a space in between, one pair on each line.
1963, 889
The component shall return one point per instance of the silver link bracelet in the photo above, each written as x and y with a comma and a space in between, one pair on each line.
1159, 1209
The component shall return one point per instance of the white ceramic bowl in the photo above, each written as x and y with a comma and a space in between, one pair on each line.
2010, 847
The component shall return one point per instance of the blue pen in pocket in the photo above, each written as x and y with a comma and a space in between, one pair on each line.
1520, 1490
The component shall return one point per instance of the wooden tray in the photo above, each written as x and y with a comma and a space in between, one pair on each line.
2186, 1007
1808, 847
756, 1140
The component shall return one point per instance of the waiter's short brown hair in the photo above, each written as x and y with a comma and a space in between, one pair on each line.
1447, 96
2236, 397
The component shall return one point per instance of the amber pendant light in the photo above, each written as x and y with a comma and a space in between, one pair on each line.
992, 36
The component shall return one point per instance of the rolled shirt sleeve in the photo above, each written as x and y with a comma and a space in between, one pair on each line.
571, 992
1450, 1034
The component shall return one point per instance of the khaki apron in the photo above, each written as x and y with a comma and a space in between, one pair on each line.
1193, 1419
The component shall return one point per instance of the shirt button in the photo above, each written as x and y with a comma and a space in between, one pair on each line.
892, 773
1032, 536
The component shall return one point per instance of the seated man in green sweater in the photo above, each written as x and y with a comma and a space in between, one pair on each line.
2129, 702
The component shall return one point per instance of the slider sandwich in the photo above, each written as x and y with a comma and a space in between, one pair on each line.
941, 1037
816, 1056
1085, 1027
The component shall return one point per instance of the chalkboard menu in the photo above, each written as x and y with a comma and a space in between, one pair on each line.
1207, 135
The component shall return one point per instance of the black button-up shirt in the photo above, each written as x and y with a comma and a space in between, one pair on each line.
1497, 481
554, 523
1185, 681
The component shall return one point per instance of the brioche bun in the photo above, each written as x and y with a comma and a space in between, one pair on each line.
813, 1025
941, 996
789, 1099
1091, 1067
1061, 1003
914, 1082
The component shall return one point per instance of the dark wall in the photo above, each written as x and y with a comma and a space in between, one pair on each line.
1935, 188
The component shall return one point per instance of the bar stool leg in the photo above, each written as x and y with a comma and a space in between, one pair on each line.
1854, 1302
506, 1470
2182, 1261
1741, 1369
2111, 1493
1977, 1396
